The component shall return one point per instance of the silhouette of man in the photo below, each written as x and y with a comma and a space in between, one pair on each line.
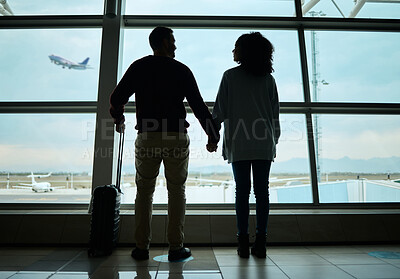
160, 85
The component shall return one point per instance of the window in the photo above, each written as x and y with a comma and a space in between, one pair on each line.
52, 7
351, 9
44, 64
290, 173
359, 158
210, 178
39, 144
354, 66
208, 53
210, 7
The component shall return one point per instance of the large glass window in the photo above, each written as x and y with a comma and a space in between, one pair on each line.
358, 158
290, 172
49, 65
51, 7
208, 53
46, 158
211, 7
354, 66
210, 178
352, 9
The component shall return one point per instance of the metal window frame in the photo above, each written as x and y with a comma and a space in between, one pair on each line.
113, 27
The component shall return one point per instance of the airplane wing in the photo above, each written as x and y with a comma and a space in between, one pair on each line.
22, 187
25, 184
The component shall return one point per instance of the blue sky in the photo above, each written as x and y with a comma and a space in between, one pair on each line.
359, 66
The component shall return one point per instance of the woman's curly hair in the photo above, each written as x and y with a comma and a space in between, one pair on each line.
255, 53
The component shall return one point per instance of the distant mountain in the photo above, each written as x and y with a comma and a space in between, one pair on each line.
301, 165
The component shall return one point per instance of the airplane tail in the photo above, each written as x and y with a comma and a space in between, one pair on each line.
33, 178
84, 62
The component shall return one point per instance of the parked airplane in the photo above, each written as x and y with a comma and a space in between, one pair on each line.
37, 186
5, 9
58, 60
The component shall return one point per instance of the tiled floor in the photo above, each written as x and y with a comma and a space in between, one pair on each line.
308, 262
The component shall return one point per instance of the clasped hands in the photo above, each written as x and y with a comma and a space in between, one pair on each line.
211, 147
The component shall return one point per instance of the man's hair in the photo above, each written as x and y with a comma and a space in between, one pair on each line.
255, 53
158, 35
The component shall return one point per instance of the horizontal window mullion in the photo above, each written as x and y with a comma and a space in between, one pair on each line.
255, 22
48, 107
72, 21
286, 107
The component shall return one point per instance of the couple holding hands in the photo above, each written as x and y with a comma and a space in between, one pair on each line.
247, 103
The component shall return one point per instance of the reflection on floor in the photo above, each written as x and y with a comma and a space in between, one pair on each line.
322, 262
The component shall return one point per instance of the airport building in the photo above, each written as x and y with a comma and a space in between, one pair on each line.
334, 186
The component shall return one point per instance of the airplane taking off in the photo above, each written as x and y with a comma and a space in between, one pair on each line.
37, 186
58, 60
5, 9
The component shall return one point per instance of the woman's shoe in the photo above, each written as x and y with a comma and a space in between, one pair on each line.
243, 245
259, 248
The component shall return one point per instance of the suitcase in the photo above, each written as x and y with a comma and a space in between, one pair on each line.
104, 225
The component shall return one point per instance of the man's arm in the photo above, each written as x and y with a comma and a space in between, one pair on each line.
200, 109
120, 97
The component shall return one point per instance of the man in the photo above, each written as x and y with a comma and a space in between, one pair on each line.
161, 84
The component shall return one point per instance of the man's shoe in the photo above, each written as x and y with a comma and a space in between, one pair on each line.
140, 254
180, 254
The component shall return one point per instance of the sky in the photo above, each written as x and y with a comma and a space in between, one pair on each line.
359, 67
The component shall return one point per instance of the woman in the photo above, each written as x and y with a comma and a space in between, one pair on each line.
247, 103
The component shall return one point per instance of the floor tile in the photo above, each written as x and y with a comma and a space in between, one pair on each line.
89, 266
20, 261
253, 272
235, 260
374, 248
64, 254
6, 274
70, 275
136, 272
315, 272
281, 260
203, 259
31, 275
192, 274
287, 250
45, 266
323, 250
351, 259
124, 259
371, 271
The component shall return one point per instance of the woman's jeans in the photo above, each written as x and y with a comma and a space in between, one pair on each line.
241, 172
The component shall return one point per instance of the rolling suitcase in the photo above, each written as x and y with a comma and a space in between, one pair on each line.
104, 225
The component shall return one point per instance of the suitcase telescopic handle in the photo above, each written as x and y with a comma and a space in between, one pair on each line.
119, 162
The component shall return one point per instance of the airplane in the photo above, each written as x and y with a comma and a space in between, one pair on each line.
58, 60
37, 186
5, 9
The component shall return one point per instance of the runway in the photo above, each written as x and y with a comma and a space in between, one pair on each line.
56, 196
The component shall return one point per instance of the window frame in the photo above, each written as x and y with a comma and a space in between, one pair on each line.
113, 24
